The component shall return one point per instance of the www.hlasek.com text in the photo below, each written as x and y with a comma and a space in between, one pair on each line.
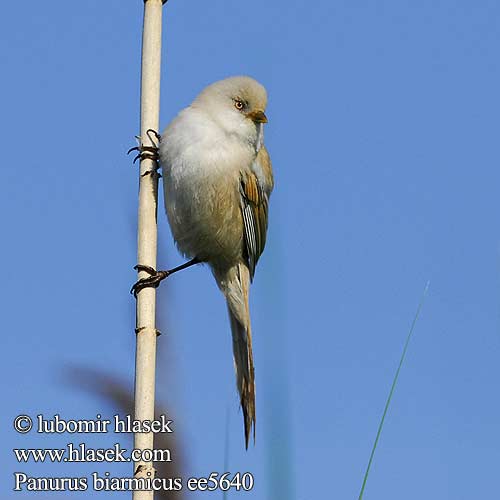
82, 453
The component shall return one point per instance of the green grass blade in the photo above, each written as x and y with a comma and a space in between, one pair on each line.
394, 382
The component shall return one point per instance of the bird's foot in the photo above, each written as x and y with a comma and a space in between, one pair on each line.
154, 279
148, 152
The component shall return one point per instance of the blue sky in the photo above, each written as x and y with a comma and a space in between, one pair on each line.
383, 130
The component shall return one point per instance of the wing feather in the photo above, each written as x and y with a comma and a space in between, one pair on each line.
255, 189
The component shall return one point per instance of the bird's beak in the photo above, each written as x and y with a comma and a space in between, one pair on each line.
257, 116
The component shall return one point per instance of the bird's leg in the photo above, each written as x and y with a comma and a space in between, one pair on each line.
156, 277
148, 152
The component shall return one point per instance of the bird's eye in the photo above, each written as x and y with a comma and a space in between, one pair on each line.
238, 104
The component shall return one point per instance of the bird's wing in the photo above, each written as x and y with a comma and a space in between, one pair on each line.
256, 185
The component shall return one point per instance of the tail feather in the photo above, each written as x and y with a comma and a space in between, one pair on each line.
235, 284
245, 374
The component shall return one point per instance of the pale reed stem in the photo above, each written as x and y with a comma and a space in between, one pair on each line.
145, 361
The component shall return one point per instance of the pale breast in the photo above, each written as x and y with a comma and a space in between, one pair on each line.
201, 175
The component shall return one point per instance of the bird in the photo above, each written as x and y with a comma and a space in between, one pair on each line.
217, 181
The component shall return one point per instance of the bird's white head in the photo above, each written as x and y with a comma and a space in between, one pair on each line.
237, 105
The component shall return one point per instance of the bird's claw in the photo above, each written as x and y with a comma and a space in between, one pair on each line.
155, 278
145, 153
148, 152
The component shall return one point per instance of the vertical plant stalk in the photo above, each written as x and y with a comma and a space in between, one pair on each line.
145, 361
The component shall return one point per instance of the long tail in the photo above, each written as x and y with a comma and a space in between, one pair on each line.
235, 285
245, 375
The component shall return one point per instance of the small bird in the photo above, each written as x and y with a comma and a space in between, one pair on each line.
217, 180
